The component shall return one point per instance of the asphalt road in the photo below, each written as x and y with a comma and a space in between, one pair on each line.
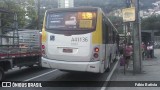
44, 74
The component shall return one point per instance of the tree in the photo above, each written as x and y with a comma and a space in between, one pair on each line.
31, 14
25, 10
46, 5
13, 6
110, 5
151, 23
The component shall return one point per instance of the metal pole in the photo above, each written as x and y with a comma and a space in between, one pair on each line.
137, 43
38, 21
125, 27
128, 5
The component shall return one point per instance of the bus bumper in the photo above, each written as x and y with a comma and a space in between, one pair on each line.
72, 66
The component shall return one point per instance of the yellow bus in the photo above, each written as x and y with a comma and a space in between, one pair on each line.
78, 39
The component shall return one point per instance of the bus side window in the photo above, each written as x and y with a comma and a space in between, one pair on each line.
110, 35
104, 31
107, 33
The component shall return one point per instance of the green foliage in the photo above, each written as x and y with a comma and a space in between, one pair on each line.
110, 5
151, 23
24, 8
27, 9
46, 5
31, 15
17, 8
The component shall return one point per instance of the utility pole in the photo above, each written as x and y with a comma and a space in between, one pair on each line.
38, 20
137, 55
126, 28
128, 5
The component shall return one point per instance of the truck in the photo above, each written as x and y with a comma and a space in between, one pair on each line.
18, 48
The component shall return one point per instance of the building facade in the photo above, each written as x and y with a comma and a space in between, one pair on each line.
65, 3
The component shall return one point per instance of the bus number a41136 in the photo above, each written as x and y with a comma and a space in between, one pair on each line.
79, 39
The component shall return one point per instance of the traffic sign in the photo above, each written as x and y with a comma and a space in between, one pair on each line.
128, 14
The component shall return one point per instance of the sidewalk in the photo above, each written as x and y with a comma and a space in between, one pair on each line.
151, 72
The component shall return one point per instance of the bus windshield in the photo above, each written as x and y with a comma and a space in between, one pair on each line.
71, 20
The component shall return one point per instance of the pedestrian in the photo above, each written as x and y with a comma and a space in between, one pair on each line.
127, 54
143, 50
121, 52
121, 48
150, 50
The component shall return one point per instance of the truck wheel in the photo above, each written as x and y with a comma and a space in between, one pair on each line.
1, 74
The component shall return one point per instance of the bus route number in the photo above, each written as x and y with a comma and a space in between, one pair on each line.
79, 39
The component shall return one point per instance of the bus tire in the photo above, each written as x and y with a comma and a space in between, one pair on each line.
1, 74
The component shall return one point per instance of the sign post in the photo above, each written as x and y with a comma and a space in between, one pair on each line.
128, 14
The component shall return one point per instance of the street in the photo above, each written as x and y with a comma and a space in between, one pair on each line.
44, 74
116, 74
79, 44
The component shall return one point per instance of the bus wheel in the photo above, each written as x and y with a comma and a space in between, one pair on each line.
1, 74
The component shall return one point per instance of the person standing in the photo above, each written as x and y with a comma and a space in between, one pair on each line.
127, 54
121, 48
151, 50
143, 50
148, 50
